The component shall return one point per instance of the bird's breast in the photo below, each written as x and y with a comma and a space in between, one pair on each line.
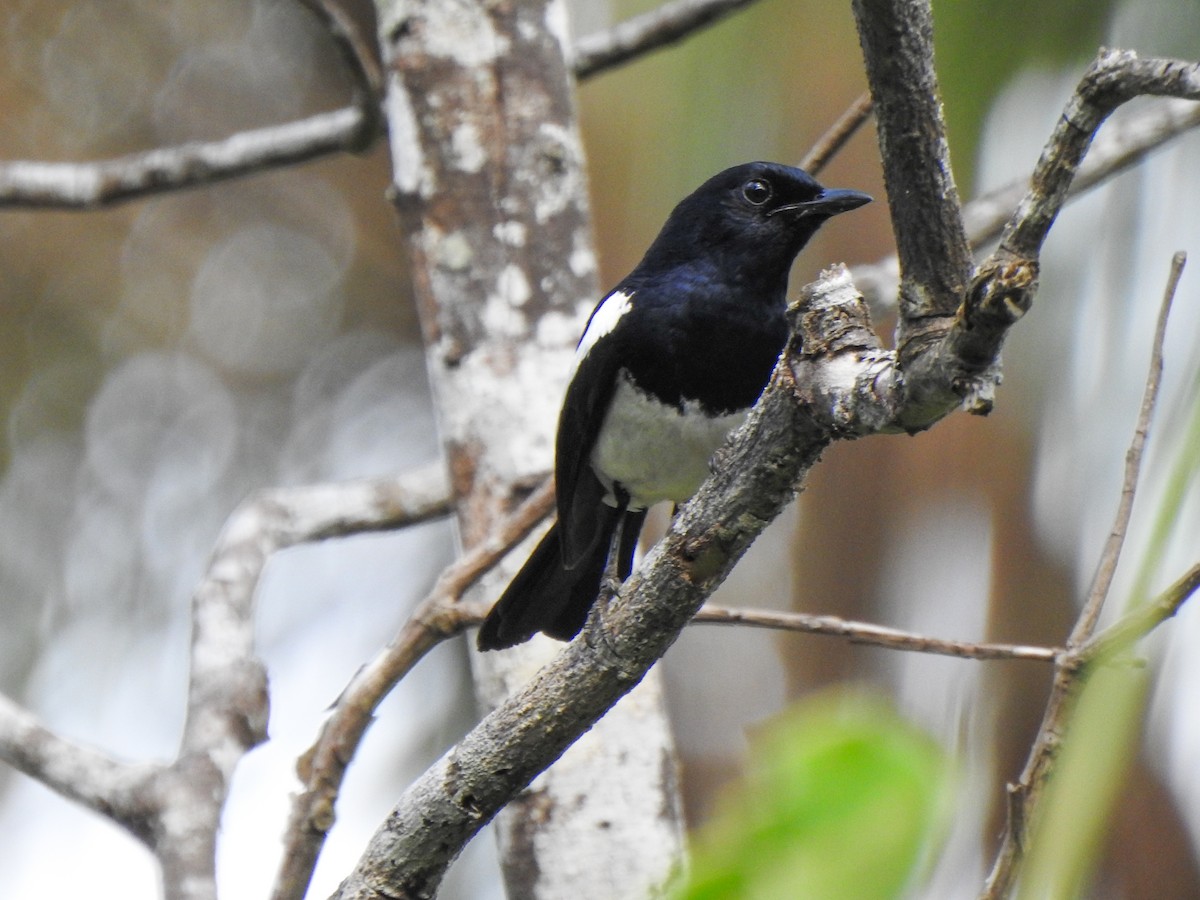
657, 451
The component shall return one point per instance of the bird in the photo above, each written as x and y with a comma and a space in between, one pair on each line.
670, 362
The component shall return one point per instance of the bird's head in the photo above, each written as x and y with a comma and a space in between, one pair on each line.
761, 213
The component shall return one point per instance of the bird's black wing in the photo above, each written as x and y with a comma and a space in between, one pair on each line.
579, 491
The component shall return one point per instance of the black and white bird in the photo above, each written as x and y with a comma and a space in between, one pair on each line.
669, 364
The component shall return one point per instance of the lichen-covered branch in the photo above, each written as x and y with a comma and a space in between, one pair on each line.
92, 185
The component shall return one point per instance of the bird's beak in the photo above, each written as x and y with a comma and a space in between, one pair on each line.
830, 202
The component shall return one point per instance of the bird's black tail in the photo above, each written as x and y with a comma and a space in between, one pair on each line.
546, 596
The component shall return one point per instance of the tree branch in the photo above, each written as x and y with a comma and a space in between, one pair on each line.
835, 138
935, 261
869, 634
1111, 555
91, 778
92, 185
1139, 622
834, 353
661, 27
1115, 77
227, 702
438, 617
1119, 147
227, 688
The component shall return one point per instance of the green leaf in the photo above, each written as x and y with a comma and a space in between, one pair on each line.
841, 800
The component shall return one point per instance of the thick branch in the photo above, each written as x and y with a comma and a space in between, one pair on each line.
935, 262
754, 477
227, 690
224, 703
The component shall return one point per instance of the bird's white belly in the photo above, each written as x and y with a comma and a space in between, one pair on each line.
657, 452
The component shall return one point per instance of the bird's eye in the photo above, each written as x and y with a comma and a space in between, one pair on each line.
757, 191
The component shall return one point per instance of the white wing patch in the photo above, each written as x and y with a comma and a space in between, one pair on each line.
603, 321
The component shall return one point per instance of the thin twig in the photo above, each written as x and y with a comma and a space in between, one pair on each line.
654, 30
1069, 675
438, 617
1141, 620
832, 141
1111, 555
874, 635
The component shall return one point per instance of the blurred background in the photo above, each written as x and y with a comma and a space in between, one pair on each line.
161, 360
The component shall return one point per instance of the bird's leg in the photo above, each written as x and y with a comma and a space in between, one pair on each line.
610, 583
610, 578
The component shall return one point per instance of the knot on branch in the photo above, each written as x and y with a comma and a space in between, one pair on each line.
999, 295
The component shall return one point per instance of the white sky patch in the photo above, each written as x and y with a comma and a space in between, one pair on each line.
614, 306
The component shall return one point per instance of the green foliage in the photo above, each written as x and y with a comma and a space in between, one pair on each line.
841, 800
982, 44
